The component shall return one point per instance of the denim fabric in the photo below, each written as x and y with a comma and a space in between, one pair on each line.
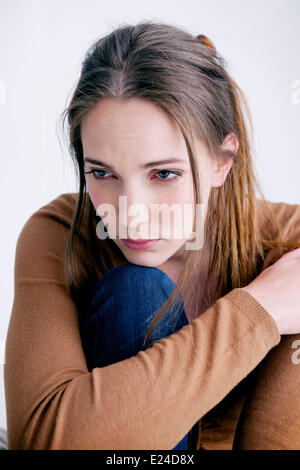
118, 310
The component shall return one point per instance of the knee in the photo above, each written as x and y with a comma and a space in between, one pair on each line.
134, 277
130, 283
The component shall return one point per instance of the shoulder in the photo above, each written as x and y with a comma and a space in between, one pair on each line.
61, 209
287, 215
58, 211
42, 240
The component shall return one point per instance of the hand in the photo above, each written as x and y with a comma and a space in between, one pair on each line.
277, 289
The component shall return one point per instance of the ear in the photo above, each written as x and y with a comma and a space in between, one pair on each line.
222, 168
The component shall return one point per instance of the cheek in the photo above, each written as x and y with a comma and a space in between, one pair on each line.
178, 194
101, 197
105, 207
179, 225
181, 197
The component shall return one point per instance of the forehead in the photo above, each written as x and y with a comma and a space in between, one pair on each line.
130, 124
135, 132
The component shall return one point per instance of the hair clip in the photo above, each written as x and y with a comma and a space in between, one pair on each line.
206, 41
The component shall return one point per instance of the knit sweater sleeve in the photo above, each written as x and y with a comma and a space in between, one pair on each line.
270, 419
149, 401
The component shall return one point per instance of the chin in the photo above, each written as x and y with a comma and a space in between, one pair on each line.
150, 257
145, 259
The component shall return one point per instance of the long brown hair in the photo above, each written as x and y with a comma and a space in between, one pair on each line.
187, 77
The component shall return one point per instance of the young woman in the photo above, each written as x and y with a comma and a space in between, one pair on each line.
116, 344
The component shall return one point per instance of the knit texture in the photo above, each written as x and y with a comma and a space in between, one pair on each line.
229, 371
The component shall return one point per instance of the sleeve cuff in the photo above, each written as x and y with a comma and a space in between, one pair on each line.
257, 315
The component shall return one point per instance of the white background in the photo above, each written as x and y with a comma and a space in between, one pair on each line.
42, 44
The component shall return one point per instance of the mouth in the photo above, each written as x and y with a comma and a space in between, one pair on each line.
140, 244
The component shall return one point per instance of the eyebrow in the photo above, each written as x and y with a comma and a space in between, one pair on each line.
147, 165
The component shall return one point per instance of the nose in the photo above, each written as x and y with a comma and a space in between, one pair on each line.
134, 213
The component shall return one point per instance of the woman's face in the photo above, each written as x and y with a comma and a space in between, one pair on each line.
126, 136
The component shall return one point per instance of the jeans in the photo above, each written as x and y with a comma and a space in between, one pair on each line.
118, 309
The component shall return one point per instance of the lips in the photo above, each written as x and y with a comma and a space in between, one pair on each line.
140, 240
140, 244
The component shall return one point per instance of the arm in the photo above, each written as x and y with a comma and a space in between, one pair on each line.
148, 401
270, 418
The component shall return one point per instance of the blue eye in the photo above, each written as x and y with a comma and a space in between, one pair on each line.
177, 175
96, 171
